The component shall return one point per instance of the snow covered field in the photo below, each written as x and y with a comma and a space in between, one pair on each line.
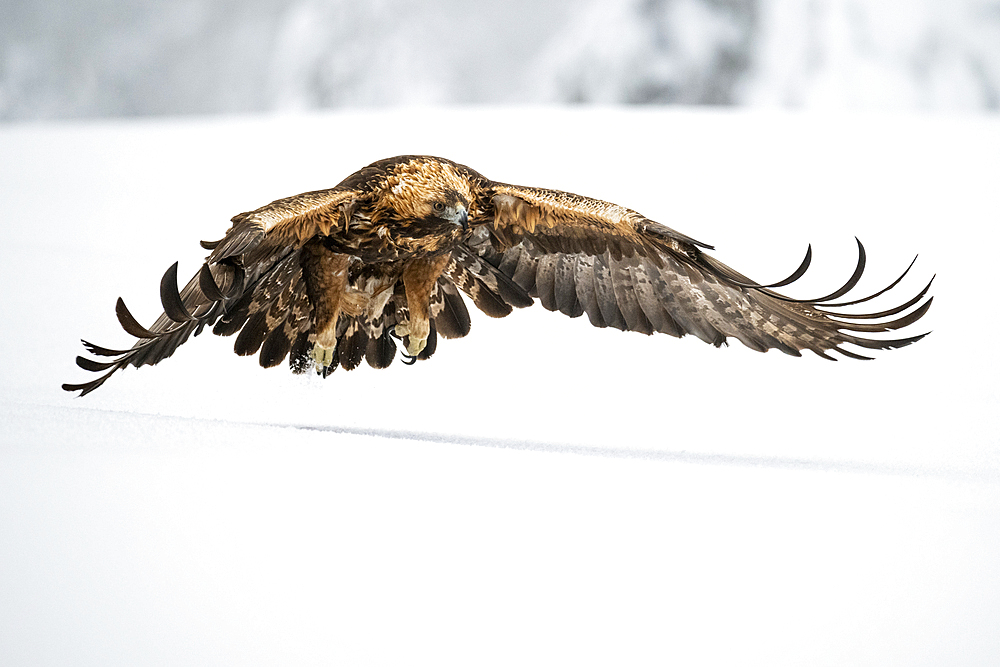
540, 492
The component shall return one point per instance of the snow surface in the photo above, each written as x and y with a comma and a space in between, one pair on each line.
540, 492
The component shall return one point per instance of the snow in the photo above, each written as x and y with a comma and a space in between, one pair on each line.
538, 492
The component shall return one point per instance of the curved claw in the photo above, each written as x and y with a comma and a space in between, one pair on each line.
409, 360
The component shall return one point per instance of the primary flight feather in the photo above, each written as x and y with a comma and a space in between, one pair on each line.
329, 278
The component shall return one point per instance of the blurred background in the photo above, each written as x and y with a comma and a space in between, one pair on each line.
101, 58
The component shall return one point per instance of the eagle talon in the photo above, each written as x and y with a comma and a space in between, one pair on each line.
323, 358
414, 344
408, 359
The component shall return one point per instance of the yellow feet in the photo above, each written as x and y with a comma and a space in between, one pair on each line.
417, 335
323, 357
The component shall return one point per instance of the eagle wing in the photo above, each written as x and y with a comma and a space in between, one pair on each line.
581, 255
251, 282
296, 279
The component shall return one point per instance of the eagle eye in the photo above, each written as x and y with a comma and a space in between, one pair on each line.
438, 207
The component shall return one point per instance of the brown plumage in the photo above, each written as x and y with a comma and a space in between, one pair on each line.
334, 277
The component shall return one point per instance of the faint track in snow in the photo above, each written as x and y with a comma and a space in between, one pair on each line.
983, 475
674, 456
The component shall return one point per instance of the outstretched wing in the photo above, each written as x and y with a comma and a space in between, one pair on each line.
580, 255
251, 282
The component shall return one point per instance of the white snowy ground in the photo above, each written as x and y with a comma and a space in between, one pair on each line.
540, 492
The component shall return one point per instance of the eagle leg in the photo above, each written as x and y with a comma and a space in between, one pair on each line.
408, 359
324, 358
419, 278
326, 275
413, 336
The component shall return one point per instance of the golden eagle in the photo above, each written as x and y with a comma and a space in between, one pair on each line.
329, 278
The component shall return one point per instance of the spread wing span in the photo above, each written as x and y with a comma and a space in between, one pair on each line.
327, 279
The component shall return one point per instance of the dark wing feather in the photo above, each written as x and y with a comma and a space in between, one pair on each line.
473, 270
251, 283
452, 318
160, 340
581, 255
353, 344
381, 351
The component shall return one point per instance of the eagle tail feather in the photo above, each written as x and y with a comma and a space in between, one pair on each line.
431, 346
353, 345
452, 319
381, 351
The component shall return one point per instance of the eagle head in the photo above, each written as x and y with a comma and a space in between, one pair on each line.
429, 193
450, 207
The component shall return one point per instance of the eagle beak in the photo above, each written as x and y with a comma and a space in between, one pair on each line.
463, 218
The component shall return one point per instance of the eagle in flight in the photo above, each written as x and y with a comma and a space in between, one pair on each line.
331, 277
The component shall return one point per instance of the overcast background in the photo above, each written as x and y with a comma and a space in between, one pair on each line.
98, 58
